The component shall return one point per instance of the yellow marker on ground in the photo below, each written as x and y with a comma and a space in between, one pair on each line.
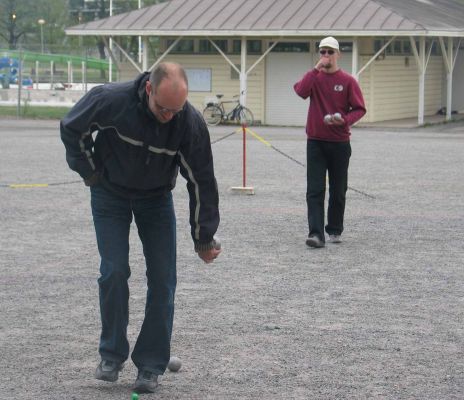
256, 136
27, 185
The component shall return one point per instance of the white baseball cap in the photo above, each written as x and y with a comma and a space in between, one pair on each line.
329, 42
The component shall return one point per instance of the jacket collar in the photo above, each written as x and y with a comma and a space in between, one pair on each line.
140, 84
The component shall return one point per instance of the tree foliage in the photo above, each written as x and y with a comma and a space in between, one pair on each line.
14, 21
19, 26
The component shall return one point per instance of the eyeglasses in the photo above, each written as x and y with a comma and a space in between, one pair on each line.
329, 52
163, 110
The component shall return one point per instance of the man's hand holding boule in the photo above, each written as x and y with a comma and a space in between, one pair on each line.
209, 252
208, 256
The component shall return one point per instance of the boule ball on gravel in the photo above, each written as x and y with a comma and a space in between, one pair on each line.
174, 364
217, 243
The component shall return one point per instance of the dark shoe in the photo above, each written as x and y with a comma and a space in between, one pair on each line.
146, 382
314, 241
108, 371
335, 238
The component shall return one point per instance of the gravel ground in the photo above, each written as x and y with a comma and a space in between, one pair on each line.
379, 316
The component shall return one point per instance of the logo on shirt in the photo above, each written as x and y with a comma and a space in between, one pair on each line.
338, 88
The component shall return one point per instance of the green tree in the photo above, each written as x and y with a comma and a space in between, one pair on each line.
19, 22
81, 12
54, 13
20, 27
13, 22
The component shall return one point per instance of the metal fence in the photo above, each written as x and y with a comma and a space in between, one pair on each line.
53, 71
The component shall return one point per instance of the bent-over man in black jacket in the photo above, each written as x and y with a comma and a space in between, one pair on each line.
146, 132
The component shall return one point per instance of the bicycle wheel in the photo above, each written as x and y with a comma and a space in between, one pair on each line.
246, 116
212, 115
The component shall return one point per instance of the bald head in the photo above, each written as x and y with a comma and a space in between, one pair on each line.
167, 90
171, 72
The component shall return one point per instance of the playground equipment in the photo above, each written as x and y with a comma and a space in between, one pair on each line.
58, 70
9, 73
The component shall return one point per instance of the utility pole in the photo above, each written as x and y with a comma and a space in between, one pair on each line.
41, 22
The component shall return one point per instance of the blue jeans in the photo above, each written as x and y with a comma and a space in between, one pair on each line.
156, 225
324, 158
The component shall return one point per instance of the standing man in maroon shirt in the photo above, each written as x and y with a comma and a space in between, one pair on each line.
334, 93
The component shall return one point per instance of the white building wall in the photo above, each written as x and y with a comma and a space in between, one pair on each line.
221, 81
391, 88
458, 82
433, 85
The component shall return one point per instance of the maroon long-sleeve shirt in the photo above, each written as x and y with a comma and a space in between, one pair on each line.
329, 94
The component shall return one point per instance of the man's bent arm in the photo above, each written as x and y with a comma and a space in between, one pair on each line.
304, 87
76, 133
357, 107
196, 166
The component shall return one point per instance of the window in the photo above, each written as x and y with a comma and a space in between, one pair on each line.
206, 47
435, 49
290, 47
184, 46
407, 47
397, 47
253, 46
345, 47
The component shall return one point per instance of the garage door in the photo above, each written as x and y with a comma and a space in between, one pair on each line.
283, 106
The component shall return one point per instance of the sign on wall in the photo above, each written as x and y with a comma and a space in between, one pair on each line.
199, 79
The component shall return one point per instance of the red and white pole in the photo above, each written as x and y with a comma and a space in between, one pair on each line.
244, 188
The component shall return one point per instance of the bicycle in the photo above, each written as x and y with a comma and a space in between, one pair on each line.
215, 113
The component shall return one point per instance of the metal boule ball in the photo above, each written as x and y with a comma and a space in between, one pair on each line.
174, 364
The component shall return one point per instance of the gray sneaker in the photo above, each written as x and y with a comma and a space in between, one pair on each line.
335, 238
314, 241
108, 371
146, 382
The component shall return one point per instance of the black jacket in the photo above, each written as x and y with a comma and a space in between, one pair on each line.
136, 156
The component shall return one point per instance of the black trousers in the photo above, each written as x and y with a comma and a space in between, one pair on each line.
322, 158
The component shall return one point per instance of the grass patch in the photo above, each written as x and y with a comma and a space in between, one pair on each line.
34, 112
